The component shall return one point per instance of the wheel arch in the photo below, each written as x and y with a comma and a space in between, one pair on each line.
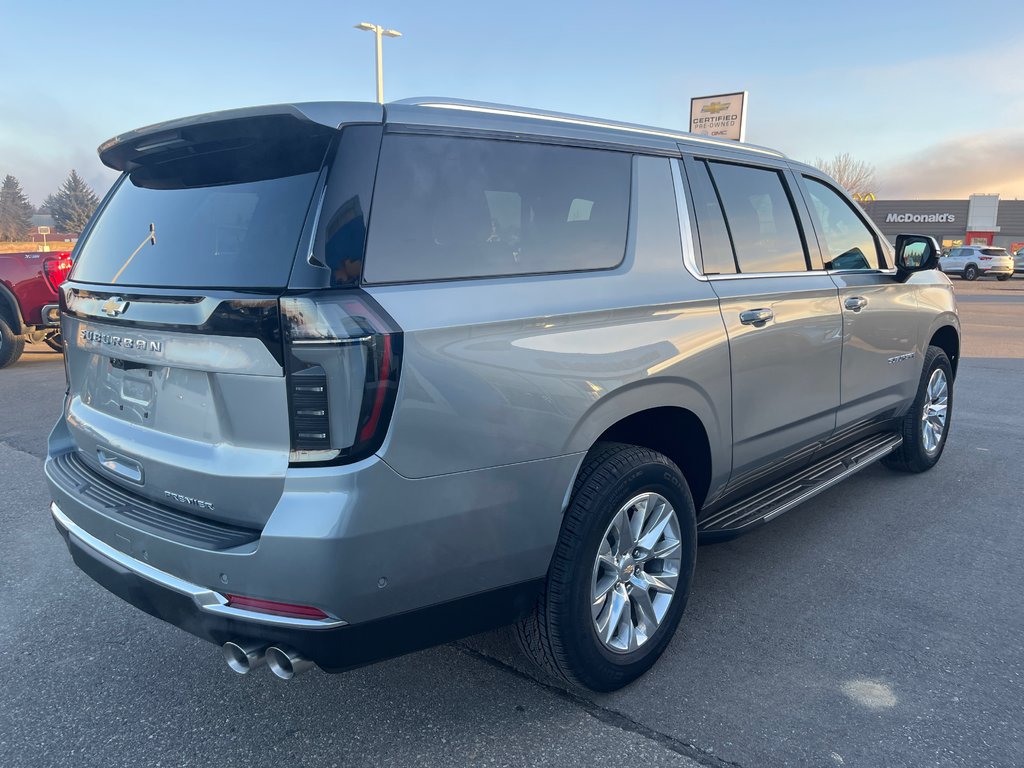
675, 418
947, 338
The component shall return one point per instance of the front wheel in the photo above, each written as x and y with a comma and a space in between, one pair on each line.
926, 425
621, 572
970, 272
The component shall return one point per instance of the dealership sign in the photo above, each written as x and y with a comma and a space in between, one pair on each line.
723, 116
920, 218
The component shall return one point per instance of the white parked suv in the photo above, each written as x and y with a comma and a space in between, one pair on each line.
974, 261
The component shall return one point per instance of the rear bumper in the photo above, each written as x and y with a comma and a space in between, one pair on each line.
330, 643
998, 270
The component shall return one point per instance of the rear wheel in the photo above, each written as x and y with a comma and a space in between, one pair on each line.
970, 272
926, 425
620, 575
11, 346
1004, 278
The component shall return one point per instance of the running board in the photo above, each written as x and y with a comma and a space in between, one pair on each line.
781, 497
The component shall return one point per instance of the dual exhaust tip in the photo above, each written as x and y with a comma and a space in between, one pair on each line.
284, 662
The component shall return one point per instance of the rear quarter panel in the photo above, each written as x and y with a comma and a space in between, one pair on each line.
502, 371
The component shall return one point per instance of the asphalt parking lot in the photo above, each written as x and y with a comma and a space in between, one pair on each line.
879, 624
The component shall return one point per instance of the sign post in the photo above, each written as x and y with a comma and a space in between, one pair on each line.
44, 231
723, 116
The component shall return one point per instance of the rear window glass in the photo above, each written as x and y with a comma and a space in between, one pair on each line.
760, 218
447, 207
994, 252
226, 218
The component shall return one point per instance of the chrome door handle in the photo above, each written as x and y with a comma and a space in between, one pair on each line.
756, 317
856, 303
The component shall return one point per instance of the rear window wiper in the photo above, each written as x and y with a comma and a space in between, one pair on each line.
150, 238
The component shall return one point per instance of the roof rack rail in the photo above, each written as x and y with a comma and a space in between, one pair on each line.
483, 107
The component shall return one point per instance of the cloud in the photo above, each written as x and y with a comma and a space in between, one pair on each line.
984, 162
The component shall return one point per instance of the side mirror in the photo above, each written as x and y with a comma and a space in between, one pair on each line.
915, 253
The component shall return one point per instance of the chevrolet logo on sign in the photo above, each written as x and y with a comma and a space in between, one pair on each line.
114, 306
715, 107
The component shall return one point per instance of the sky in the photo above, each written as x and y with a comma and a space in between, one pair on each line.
930, 93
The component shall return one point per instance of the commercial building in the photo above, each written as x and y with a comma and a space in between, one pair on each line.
979, 220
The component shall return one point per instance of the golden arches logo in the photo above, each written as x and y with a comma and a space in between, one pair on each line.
864, 197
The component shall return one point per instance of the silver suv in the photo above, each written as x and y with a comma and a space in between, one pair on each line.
348, 380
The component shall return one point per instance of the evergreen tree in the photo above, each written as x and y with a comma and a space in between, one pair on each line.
73, 204
15, 211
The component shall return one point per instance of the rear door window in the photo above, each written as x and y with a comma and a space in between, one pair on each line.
760, 217
715, 244
454, 207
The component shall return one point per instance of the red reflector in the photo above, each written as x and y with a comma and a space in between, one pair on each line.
278, 609
985, 258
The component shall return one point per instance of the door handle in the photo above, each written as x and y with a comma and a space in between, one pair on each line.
856, 303
756, 317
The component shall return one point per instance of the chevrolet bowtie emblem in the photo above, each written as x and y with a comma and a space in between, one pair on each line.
114, 306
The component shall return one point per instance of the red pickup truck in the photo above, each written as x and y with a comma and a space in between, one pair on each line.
28, 300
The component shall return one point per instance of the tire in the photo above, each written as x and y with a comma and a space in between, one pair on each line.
1004, 278
914, 454
54, 342
561, 633
11, 346
970, 272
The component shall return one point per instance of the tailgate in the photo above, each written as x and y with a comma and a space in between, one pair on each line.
186, 404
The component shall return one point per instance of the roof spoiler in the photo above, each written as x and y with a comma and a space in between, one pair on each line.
131, 150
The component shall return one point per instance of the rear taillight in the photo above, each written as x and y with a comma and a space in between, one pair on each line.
343, 359
984, 258
57, 270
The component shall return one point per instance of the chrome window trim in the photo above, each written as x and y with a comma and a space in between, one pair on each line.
746, 275
205, 599
886, 271
683, 214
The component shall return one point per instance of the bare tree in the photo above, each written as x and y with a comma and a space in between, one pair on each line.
856, 176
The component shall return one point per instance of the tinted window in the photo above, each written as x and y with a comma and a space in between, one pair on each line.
447, 207
223, 218
994, 252
848, 243
715, 246
760, 218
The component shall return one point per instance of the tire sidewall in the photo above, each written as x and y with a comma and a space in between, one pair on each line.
598, 667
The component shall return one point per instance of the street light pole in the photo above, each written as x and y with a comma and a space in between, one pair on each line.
379, 32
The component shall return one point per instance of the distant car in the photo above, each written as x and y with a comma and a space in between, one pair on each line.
28, 301
974, 261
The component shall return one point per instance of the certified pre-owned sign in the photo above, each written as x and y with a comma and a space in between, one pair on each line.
723, 116
920, 218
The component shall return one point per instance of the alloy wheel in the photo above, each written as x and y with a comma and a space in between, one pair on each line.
636, 572
933, 415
